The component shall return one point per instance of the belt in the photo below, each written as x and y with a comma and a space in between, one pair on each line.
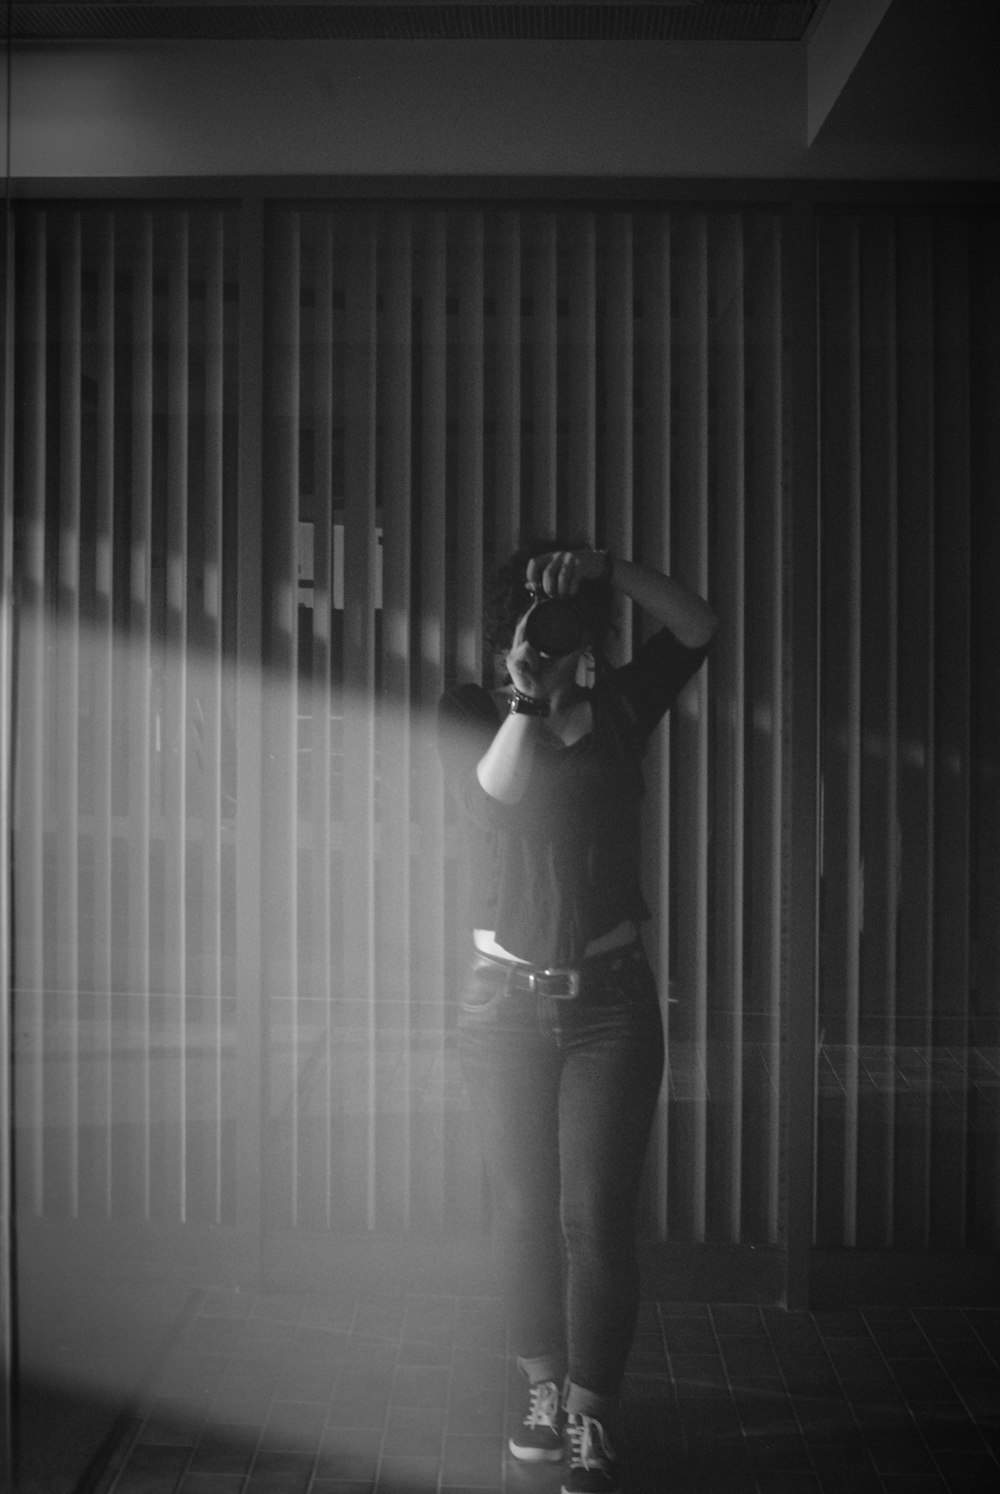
564, 984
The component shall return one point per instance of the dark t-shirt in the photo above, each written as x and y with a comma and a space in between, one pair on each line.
561, 867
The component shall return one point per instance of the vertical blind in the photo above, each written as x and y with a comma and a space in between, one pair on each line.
8, 1347
438, 383
909, 960
252, 552
433, 384
123, 848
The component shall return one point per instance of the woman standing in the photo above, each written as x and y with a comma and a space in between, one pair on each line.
560, 1034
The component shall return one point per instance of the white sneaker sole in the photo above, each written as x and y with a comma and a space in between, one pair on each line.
535, 1454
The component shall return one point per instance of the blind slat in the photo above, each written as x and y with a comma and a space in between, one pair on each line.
436, 957
359, 673
766, 692
581, 353
64, 1111
213, 696
281, 721
170, 1098
725, 1061
985, 479
399, 996
102, 745
878, 813
854, 877
917, 622
654, 472
8, 1342
33, 742
321, 798
509, 393
690, 715
544, 393
469, 450
618, 415
841, 780
953, 705
138, 1180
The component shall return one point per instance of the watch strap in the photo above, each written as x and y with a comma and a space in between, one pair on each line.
528, 705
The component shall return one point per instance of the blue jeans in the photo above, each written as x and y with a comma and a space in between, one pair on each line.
564, 1093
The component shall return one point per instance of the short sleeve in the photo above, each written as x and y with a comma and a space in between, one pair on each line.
655, 675
467, 724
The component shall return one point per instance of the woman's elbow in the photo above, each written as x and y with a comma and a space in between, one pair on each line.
700, 626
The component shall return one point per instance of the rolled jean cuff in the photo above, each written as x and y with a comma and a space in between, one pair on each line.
542, 1367
579, 1401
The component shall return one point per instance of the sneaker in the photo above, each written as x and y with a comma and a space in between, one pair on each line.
593, 1467
539, 1439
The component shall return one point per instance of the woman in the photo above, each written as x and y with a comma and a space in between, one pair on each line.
560, 1034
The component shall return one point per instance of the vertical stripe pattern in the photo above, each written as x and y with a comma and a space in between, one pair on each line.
906, 720
123, 943
484, 375
260, 486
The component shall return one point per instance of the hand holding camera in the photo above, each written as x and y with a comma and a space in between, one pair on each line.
561, 573
555, 625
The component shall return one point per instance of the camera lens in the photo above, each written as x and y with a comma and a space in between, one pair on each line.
554, 627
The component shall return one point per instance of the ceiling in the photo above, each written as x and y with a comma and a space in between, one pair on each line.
896, 89
400, 20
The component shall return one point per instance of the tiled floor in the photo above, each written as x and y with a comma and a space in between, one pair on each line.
386, 1394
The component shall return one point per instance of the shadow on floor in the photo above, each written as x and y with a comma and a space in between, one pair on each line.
383, 1394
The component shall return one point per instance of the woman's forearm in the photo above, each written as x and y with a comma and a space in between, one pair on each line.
505, 767
688, 616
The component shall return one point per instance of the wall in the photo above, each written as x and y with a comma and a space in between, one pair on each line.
412, 107
919, 103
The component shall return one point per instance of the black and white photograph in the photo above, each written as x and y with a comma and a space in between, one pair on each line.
500, 747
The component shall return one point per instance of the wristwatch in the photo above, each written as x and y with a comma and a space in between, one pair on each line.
528, 705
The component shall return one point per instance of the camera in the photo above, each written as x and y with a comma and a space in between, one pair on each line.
554, 627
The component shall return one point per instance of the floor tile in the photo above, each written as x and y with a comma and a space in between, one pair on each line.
349, 1454
789, 1481
844, 1479
408, 1476
152, 1470
948, 1426
698, 1373
899, 1452
210, 1483
748, 1356
686, 1336
420, 1385
929, 1484
471, 1459
386, 1394
964, 1471
414, 1431
425, 1351
340, 1486
734, 1321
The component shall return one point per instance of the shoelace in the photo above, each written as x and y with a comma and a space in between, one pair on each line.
543, 1405
590, 1445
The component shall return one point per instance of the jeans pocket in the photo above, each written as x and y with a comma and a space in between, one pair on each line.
483, 993
630, 979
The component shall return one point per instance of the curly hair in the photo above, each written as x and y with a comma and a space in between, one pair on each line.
510, 597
